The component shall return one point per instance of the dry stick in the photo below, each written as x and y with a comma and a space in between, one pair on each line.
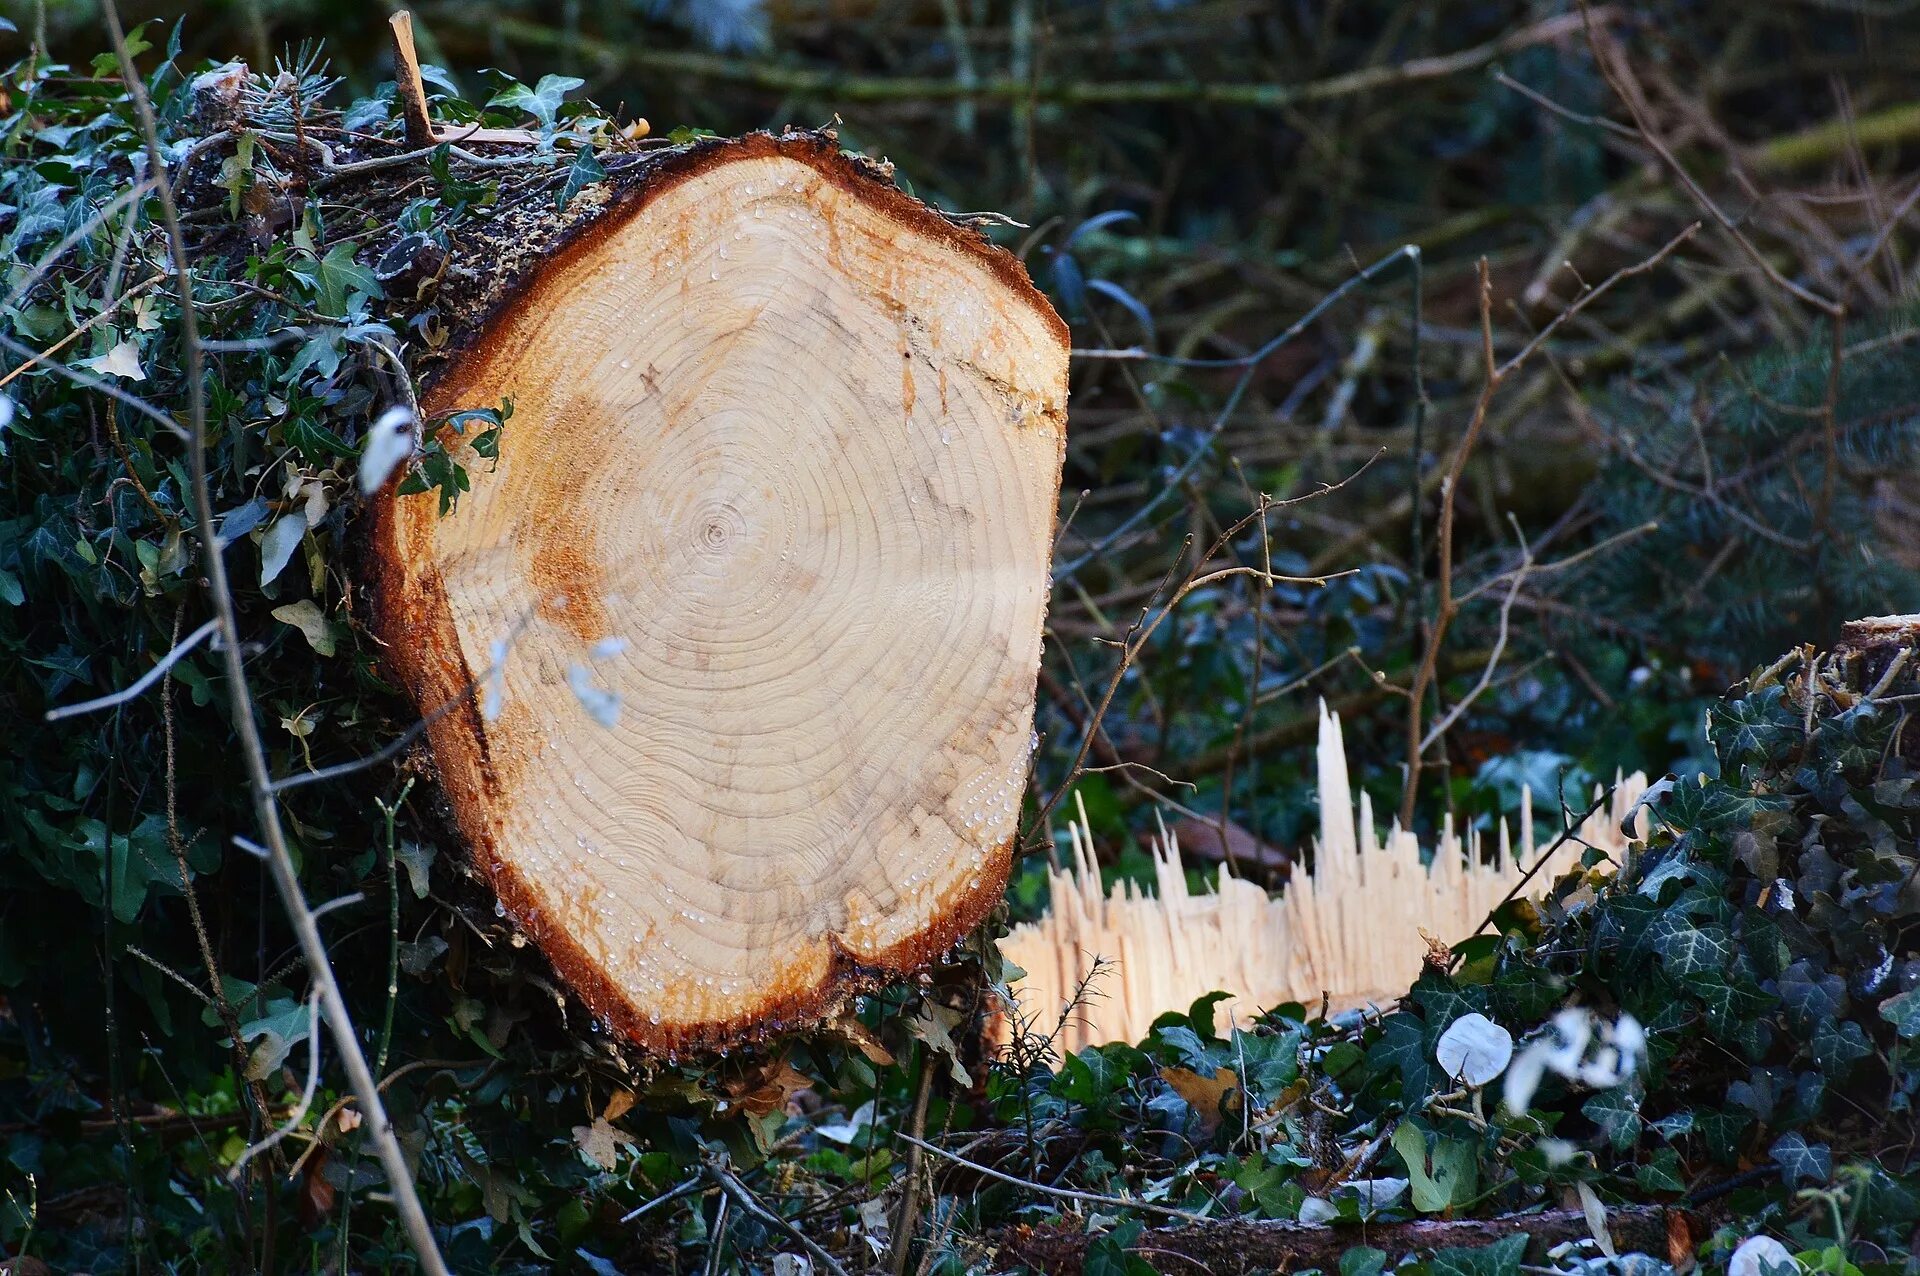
406, 1201
1446, 605
1460, 706
910, 1203
747, 1201
140, 684
1064, 1193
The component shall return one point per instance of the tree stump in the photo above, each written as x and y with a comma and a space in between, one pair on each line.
740, 633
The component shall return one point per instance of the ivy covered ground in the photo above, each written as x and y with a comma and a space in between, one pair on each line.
1710, 1043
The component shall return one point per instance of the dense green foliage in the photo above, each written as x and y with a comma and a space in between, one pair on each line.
1759, 936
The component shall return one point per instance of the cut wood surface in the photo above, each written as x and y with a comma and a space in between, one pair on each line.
742, 629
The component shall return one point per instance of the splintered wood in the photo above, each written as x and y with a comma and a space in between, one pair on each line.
742, 630
1350, 928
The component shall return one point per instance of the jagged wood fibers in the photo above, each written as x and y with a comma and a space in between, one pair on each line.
1348, 928
781, 476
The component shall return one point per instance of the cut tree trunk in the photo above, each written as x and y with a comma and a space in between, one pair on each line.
740, 634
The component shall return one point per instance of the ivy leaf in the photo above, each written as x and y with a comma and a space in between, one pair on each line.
1800, 1161
338, 277
1691, 950
417, 859
1660, 1172
1502, 1258
1363, 1260
542, 101
1617, 1113
1109, 1256
1903, 1012
1753, 730
1186, 1044
586, 170
1674, 866
122, 361
418, 957
1812, 995
1838, 1044
1402, 1048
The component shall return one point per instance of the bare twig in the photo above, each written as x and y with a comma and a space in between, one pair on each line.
747, 1201
1064, 1193
140, 684
1447, 606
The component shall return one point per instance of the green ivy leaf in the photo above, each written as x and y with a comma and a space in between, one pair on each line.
1109, 1256
1800, 1161
1903, 1012
1402, 1048
1837, 1045
1363, 1260
542, 101
1811, 995
338, 277
1617, 1113
1687, 949
1502, 1258
1660, 1172
585, 171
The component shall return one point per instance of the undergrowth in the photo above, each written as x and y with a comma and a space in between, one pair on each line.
1754, 954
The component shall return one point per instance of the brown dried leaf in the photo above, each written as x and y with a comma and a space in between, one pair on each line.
770, 1089
849, 1026
601, 1142
1211, 1097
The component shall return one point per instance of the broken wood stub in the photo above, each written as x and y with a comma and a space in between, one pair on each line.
741, 631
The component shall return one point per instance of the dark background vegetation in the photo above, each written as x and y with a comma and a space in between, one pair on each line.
1676, 486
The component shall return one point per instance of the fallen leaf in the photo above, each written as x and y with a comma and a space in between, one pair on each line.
934, 1025
617, 1106
601, 1143
121, 361
316, 1196
1210, 1097
769, 1089
849, 1026
307, 617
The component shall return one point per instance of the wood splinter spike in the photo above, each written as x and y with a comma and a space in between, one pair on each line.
767, 551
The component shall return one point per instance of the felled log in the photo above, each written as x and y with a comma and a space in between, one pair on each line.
729, 659
1242, 1247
